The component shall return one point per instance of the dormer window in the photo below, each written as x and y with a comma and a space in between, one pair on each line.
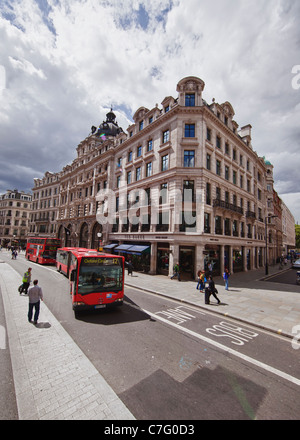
190, 99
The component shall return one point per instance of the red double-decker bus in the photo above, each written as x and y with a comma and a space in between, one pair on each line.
96, 279
42, 250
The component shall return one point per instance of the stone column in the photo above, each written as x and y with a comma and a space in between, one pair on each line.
153, 258
244, 249
199, 258
222, 265
173, 257
230, 260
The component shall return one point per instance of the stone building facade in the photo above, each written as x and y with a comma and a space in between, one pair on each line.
15, 208
45, 202
288, 230
184, 184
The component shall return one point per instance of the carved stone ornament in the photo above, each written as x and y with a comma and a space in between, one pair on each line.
191, 86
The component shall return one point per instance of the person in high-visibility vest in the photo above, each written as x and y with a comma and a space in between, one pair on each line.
26, 281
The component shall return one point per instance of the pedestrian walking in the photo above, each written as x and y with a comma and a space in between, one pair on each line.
176, 272
26, 281
14, 254
226, 276
201, 280
35, 294
130, 268
211, 290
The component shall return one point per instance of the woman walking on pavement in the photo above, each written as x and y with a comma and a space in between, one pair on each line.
226, 275
201, 282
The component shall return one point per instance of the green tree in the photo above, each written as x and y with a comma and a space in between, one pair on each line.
297, 229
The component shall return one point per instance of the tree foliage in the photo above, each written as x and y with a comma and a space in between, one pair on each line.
297, 229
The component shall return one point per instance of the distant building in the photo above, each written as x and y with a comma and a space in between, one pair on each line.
288, 230
45, 202
15, 208
183, 185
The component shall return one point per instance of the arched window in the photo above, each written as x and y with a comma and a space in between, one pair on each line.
84, 234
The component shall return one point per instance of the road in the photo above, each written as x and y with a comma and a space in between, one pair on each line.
168, 361
287, 277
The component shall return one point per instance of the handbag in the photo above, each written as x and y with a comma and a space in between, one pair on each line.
20, 288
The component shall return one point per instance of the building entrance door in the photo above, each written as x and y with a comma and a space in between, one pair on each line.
187, 262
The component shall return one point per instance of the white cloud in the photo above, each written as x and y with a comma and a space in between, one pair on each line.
66, 63
27, 67
2, 79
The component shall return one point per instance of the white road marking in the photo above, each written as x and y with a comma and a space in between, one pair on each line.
227, 349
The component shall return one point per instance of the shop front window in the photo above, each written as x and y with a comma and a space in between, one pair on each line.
163, 252
212, 259
237, 260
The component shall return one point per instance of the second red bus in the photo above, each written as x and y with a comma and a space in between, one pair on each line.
42, 250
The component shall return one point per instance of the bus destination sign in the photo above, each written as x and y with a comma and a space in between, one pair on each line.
99, 261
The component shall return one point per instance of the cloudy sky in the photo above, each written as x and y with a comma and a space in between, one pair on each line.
63, 63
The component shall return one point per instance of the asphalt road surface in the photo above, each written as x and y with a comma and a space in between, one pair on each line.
169, 361
286, 277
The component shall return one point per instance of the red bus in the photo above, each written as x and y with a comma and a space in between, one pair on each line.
96, 279
42, 250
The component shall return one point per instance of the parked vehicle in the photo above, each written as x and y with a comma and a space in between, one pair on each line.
296, 264
298, 277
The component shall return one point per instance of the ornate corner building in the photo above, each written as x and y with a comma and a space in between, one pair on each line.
182, 185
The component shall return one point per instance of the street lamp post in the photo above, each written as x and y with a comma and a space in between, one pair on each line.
266, 237
99, 235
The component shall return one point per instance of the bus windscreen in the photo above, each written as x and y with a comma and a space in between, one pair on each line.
100, 274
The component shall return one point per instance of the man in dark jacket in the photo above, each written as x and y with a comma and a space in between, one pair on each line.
211, 290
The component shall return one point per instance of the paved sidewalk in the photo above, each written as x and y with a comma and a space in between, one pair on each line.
269, 305
53, 378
